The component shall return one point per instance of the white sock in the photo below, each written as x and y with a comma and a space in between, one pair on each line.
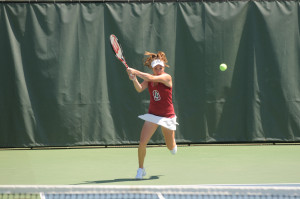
174, 151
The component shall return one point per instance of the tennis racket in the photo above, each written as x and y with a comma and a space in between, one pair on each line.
117, 49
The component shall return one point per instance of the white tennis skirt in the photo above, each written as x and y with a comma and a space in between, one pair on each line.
169, 123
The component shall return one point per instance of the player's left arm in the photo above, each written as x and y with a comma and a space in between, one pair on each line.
164, 78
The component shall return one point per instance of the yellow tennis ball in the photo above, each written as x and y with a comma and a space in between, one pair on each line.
223, 67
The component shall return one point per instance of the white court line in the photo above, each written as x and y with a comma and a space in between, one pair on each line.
42, 196
160, 196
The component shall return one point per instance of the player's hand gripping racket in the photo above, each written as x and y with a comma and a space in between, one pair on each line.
117, 49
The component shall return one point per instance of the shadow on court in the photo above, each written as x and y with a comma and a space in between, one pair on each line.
119, 180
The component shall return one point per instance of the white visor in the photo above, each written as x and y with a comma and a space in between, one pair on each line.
157, 62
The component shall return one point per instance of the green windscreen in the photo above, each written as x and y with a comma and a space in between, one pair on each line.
60, 84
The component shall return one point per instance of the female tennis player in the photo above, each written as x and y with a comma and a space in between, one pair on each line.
161, 110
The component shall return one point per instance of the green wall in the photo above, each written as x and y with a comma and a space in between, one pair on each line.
60, 84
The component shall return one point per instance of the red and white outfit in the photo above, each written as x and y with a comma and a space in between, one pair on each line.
161, 109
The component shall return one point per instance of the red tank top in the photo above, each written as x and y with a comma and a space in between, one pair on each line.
160, 100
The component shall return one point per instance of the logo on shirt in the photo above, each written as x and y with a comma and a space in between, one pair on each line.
156, 95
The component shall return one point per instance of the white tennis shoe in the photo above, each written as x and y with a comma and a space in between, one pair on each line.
141, 172
174, 151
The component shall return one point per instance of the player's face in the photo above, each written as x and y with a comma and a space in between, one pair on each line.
158, 70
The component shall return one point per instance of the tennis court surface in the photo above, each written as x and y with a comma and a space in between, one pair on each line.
204, 171
192, 165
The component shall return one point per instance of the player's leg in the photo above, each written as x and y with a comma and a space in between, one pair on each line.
169, 136
146, 133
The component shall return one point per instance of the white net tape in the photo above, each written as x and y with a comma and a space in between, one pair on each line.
159, 192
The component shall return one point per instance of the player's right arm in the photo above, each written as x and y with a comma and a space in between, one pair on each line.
139, 87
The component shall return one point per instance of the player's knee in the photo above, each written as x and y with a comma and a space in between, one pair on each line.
143, 144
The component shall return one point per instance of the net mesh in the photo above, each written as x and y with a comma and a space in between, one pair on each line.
150, 192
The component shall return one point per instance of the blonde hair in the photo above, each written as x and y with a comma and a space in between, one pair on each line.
153, 56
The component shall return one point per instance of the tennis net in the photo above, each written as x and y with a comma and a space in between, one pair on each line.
151, 192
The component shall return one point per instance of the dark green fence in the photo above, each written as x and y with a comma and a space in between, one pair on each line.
60, 84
